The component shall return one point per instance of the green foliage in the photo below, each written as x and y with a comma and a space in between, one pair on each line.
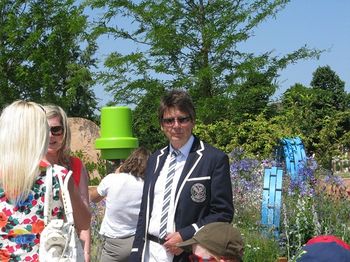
319, 114
193, 46
314, 203
324, 78
257, 89
99, 167
296, 108
258, 136
98, 211
258, 247
333, 137
212, 134
46, 55
146, 123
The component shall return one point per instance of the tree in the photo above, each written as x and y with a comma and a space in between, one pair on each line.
319, 114
46, 55
334, 138
145, 120
297, 108
191, 45
252, 97
324, 78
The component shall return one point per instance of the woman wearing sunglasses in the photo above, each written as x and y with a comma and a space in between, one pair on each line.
59, 153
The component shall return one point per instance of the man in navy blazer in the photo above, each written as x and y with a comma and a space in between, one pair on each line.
201, 191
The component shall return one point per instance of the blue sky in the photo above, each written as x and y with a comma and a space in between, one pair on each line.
321, 24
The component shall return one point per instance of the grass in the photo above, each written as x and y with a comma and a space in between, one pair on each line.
258, 246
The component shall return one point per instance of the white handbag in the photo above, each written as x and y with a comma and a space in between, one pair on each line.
59, 241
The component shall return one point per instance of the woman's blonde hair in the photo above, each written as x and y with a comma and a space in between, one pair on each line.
65, 150
24, 140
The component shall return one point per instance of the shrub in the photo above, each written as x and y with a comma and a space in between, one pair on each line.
98, 168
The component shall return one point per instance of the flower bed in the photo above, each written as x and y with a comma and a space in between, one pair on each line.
315, 203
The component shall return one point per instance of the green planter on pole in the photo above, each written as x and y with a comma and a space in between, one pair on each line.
116, 141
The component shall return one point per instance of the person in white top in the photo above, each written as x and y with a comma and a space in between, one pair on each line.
123, 192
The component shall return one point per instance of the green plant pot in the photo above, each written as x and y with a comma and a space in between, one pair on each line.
116, 141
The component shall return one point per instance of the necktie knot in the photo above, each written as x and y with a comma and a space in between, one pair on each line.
175, 153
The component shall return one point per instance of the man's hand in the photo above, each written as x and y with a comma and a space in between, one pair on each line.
171, 240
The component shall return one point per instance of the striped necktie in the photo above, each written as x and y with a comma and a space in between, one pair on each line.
167, 194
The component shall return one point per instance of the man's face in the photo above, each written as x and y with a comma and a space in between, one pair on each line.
177, 126
201, 254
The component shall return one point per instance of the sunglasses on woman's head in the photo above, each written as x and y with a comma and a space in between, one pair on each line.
56, 130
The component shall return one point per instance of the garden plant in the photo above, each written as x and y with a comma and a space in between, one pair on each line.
314, 203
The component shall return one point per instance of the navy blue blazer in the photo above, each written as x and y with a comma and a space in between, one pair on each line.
203, 194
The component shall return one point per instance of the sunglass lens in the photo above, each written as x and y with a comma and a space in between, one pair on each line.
183, 120
56, 130
168, 121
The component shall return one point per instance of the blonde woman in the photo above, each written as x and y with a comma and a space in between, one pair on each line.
24, 138
59, 153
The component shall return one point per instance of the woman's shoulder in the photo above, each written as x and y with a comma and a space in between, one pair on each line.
59, 168
75, 162
111, 176
118, 177
45, 165
131, 178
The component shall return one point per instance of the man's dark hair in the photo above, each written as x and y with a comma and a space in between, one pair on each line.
178, 99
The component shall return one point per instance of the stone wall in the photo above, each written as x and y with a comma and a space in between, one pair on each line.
84, 133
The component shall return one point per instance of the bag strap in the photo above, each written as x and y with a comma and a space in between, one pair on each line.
67, 204
48, 195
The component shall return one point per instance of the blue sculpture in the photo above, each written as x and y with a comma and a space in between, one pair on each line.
272, 195
294, 154
291, 152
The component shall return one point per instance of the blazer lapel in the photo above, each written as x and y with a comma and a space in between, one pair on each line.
160, 160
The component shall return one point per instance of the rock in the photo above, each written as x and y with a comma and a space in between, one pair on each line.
84, 133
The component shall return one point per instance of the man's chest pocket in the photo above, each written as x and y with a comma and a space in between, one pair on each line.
198, 189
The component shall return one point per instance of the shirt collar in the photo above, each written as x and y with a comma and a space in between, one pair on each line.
185, 149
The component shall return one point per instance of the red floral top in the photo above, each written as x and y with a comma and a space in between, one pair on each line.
21, 224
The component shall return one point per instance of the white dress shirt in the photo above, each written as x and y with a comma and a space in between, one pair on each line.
157, 252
